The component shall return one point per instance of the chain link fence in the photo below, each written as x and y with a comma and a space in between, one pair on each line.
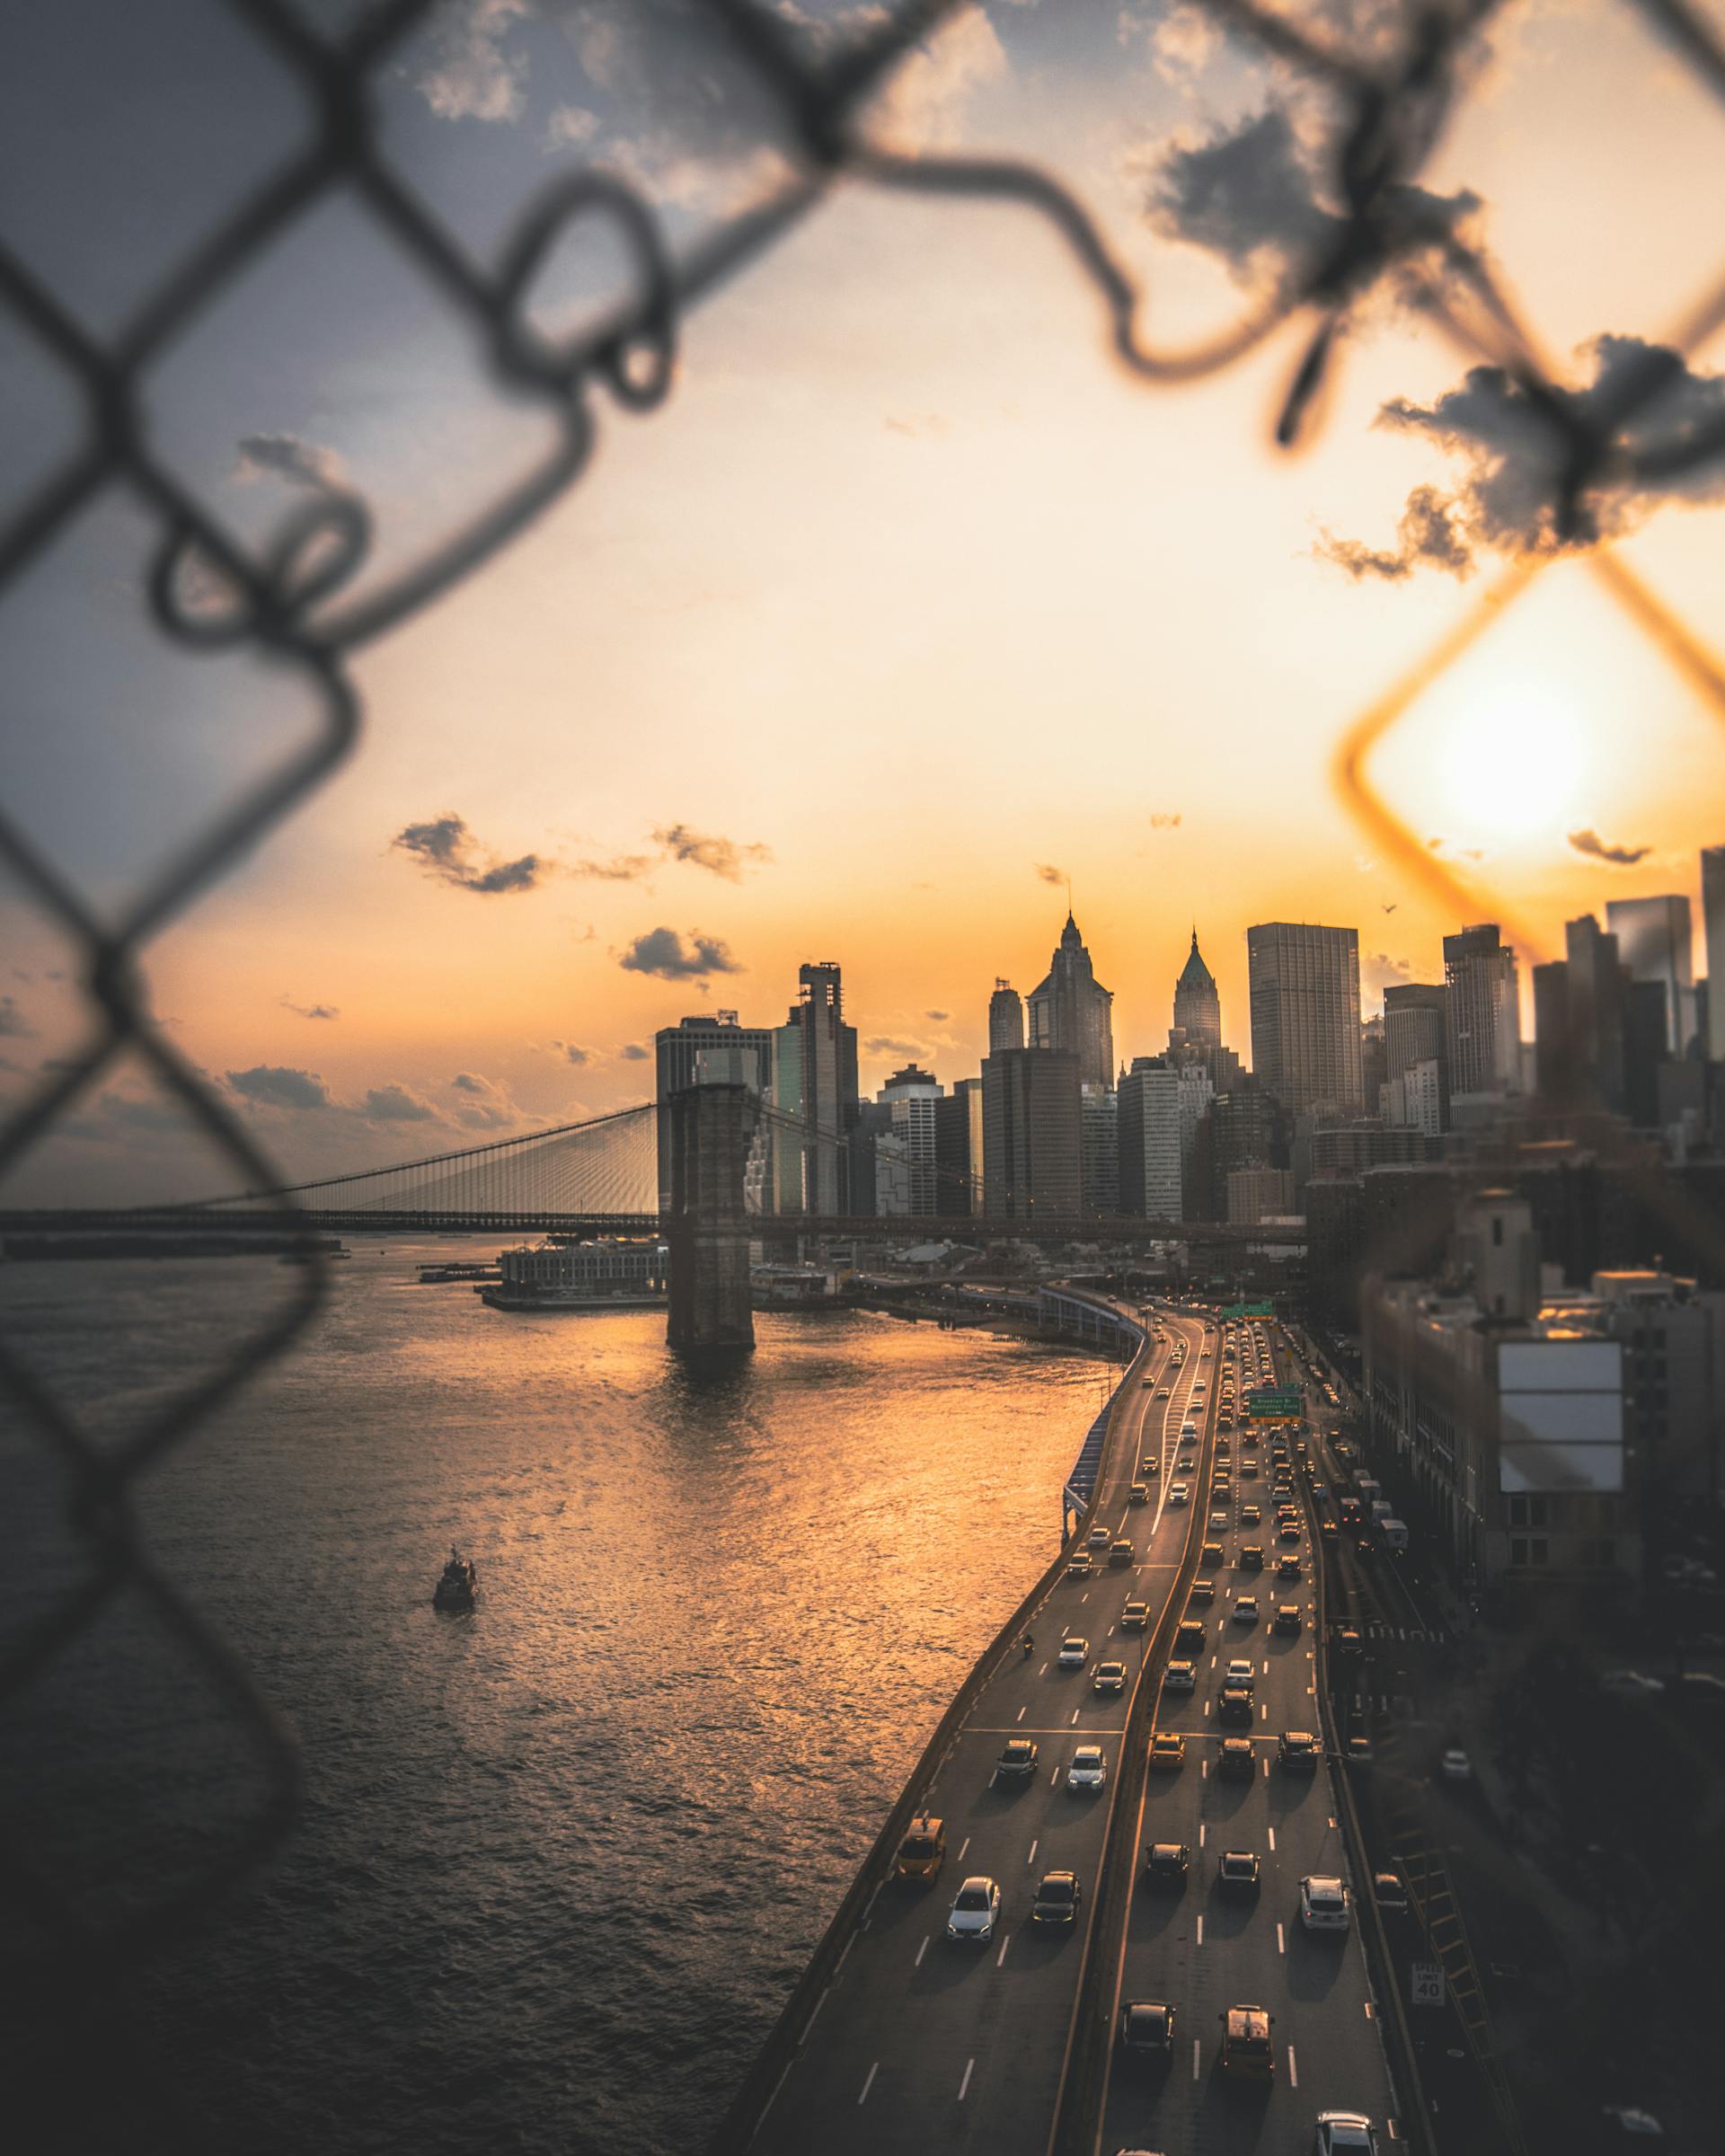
293, 602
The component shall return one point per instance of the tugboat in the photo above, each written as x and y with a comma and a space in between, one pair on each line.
458, 1589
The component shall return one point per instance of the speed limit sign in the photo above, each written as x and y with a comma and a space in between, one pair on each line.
1426, 1984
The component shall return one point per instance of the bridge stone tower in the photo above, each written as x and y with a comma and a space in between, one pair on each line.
709, 1127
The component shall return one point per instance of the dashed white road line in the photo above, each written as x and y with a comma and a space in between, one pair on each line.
1195, 2053
921, 1951
1201, 1931
964, 2086
1293, 2069
1004, 1944
1020, 1714
962, 1847
1074, 1719
1031, 1858
869, 2083
1272, 1836
1200, 1833
1281, 1940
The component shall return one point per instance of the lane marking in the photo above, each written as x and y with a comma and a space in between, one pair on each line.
1031, 1858
921, 1951
1281, 1940
962, 1847
1293, 2070
1195, 2051
1200, 1833
867, 2084
1201, 1931
1272, 1837
1004, 1944
1203, 1770
1021, 1713
1370, 2014
969, 2067
1074, 1717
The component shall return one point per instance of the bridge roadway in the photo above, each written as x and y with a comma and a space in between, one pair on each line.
922, 2044
1204, 1952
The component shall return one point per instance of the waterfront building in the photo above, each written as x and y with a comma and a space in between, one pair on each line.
1005, 1016
1032, 1112
1151, 1182
906, 1152
1071, 1011
1482, 1016
958, 1148
1304, 982
712, 1048
1653, 939
815, 1086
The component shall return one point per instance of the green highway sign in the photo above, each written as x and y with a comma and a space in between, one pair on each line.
1274, 1403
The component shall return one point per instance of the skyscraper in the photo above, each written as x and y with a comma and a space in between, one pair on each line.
1304, 993
1482, 1025
1072, 1011
1032, 1119
1150, 1149
1099, 1148
1713, 920
907, 1153
1654, 942
709, 1048
815, 1083
1197, 1008
1414, 1033
1596, 984
1005, 1016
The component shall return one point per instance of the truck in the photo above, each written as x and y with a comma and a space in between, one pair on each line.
1367, 1488
1392, 1534
1382, 1510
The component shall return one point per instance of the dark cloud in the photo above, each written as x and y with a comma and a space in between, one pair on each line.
663, 953
571, 1053
723, 856
310, 1009
1428, 537
485, 1103
286, 457
632, 1051
1620, 857
887, 1044
394, 1103
940, 1017
13, 1024
621, 868
1515, 454
1254, 195
276, 1085
446, 849
1050, 873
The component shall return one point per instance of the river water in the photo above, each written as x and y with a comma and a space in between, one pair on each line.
556, 1864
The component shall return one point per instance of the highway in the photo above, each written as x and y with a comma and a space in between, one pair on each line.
922, 2043
1198, 1948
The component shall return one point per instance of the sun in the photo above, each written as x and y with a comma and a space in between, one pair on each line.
1514, 761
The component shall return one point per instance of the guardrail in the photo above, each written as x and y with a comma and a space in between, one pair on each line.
749, 2107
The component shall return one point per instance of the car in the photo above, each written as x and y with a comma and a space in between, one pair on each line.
1147, 2031
1134, 1617
1324, 1902
1120, 1554
1329, 1531
1189, 1429
1017, 1762
1212, 1553
1088, 1770
1100, 1537
1057, 1896
1251, 1557
1166, 1864
922, 1851
1167, 1752
1183, 1466
1139, 1494
1364, 1548
1390, 1892
1358, 1752
1343, 2134
1189, 1635
1178, 1494
974, 1911
1287, 1567
1287, 1621
1234, 1706
1079, 1567
1074, 1652
1223, 1449
1180, 1676
1246, 1609
1225, 1420
1456, 1766
1238, 1870
1239, 1672
1110, 1676
1218, 1523
1288, 1532
1298, 1748
1164, 1392
1251, 1515
1150, 1465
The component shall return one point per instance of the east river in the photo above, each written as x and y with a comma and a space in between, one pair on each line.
555, 1866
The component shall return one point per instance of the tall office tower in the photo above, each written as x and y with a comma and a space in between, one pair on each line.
1374, 1063
1304, 991
1197, 1091
1197, 1008
1653, 941
1647, 1012
1243, 1129
710, 1048
906, 1150
958, 1148
1597, 984
1149, 1112
1071, 1009
1413, 1032
815, 1083
1005, 1016
1712, 921
1483, 1014
1033, 1143
1099, 1148
1554, 1056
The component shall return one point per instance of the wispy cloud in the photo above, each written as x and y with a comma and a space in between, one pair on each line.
632, 1051
396, 1103
468, 73
663, 953
483, 1103
1047, 870
446, 849
310, 1009
1429, 535
286, 457
939, 1017
889, 1044
1164, 820
279, 1085
1619, 857
723, 856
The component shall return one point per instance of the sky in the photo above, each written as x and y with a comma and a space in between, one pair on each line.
909, 604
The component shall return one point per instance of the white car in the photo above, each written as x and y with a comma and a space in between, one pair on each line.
1323, 1903
1189, 1429
1099, 1538
1344, 2133
1180, 1493
1238, 1673
974, 1911
1456, 1766
1218, 1523
1073, 1653
1180, 1676
1089, 1768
